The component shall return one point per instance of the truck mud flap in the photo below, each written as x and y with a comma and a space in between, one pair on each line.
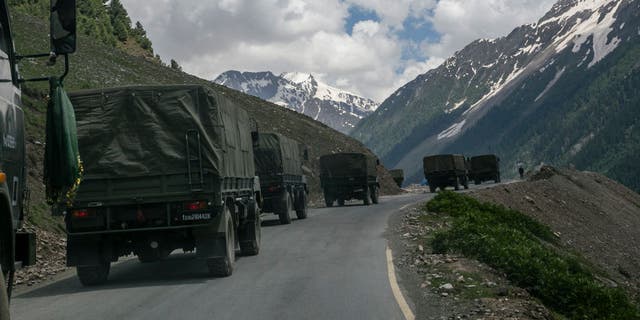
88, 251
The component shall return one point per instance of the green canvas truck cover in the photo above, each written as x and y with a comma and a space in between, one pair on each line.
444, 162
484, 162
347, 165
141, 130
277, 154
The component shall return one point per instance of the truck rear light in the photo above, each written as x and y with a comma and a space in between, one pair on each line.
81, 213
196, 205
3, 177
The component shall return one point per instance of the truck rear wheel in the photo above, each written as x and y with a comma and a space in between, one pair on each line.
328, 202
367, 196
476, 181
251, 233
301, 208
93, 275
340, 202
285, 208
223, 266
374, 194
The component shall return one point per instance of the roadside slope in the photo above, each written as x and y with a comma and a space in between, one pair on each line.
589, 213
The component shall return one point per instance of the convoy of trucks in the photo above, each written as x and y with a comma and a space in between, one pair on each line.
278, 161
346, 176
453, 170
18, 248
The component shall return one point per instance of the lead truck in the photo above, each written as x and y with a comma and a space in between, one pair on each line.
165, 168
18, 248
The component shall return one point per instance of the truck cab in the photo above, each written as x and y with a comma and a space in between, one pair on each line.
17, 249
12, 155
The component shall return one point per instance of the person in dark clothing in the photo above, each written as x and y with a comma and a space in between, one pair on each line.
521, 172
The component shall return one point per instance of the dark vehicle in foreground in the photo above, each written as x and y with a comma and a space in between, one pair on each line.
445, 170
166, 167
283, 185
484, 168
346, 176
398, 176
17, 248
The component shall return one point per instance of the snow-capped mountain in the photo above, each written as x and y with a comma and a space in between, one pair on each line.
559, 91
301, 92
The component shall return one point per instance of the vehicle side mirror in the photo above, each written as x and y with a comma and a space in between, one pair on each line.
255, 138
63, 26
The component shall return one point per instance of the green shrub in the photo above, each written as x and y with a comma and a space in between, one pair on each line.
514, 243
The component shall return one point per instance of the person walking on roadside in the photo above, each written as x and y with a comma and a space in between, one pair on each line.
521, 171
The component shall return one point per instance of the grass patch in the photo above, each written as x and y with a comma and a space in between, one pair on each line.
40, 215
518, 245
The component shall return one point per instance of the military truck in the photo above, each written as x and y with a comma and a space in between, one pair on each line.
346, 176
445, 170
483, 168
165, 168
283, 185
18, 248
398, 176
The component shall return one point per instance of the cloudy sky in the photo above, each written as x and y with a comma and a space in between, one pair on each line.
369, 47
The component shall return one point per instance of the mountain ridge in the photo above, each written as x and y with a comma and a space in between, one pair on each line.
301, 92
441, 110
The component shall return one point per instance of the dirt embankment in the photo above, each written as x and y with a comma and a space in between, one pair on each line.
591, 214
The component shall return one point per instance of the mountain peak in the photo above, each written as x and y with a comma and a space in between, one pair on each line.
297, 77
301, 92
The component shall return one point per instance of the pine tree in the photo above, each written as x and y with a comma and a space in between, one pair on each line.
175, 65
119, 20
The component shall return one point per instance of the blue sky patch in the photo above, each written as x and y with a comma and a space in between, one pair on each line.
357, 14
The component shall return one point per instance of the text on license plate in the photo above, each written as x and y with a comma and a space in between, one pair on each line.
196, 216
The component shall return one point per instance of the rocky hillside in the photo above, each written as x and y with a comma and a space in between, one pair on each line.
562, 90
301, 92
590, 214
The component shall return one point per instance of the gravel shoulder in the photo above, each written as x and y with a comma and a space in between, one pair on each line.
451, 286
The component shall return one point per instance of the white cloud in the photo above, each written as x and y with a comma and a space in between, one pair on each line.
210, 37
461, 21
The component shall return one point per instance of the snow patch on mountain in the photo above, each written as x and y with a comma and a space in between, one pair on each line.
452, 131
301, 92
551, 84
596, 27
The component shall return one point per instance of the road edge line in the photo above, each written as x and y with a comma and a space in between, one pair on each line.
395, 288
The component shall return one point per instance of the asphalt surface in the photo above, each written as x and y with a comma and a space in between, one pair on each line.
330, 266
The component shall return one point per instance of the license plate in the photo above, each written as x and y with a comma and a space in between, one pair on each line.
196, 216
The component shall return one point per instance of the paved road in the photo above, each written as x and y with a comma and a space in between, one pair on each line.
329, 266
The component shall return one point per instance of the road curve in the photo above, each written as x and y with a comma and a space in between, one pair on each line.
329, 266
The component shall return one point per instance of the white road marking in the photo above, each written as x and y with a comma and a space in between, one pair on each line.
402, 303
405, 206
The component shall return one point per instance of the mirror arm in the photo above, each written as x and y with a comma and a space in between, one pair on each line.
66, 68
31, 56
